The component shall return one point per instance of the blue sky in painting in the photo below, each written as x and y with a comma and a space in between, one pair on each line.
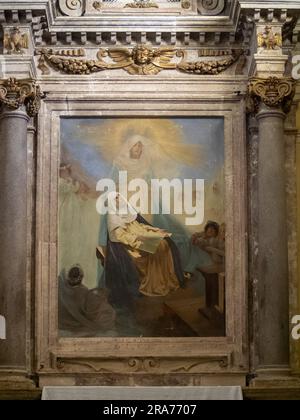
208, 132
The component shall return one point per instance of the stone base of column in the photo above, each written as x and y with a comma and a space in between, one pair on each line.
275, 377
16, 380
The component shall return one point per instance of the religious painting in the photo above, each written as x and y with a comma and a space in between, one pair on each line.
141, 227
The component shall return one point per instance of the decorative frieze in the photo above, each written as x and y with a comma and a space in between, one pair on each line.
146, 365
141, 60
17, 93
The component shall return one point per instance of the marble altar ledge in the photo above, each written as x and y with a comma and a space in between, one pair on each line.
232, 393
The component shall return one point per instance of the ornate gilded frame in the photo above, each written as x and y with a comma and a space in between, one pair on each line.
68, 358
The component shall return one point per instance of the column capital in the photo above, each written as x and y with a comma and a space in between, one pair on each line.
273, 92
15, 94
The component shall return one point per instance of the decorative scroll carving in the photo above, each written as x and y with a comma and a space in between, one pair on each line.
132, 365
141, 60
142, 4
211, 7
14, 94
273, 92
269, 40
194, 365
14, 42
72, 7
144, 365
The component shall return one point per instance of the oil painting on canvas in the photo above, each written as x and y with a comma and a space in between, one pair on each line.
141, 232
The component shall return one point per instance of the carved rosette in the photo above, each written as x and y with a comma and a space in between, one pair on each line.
17, 93
274, 92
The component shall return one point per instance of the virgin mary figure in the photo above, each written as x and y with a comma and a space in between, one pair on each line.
141, 158
139, 259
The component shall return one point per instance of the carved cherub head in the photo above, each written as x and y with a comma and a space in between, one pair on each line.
142, 55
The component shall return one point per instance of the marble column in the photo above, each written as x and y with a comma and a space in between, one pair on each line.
252, 137
20, 101
271, 99
31, 206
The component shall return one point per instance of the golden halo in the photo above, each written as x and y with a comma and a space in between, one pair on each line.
168, 135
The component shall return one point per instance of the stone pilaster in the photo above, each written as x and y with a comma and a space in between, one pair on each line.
19, 100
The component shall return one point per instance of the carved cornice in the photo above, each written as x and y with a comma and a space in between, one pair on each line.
89, 22
141, 60
273, 92
17, 93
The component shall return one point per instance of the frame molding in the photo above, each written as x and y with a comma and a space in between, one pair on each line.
73, 356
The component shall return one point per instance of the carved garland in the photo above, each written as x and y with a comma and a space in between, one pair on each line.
14, 94
141, 60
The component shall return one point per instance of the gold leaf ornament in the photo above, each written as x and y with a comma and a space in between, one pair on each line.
141, 60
